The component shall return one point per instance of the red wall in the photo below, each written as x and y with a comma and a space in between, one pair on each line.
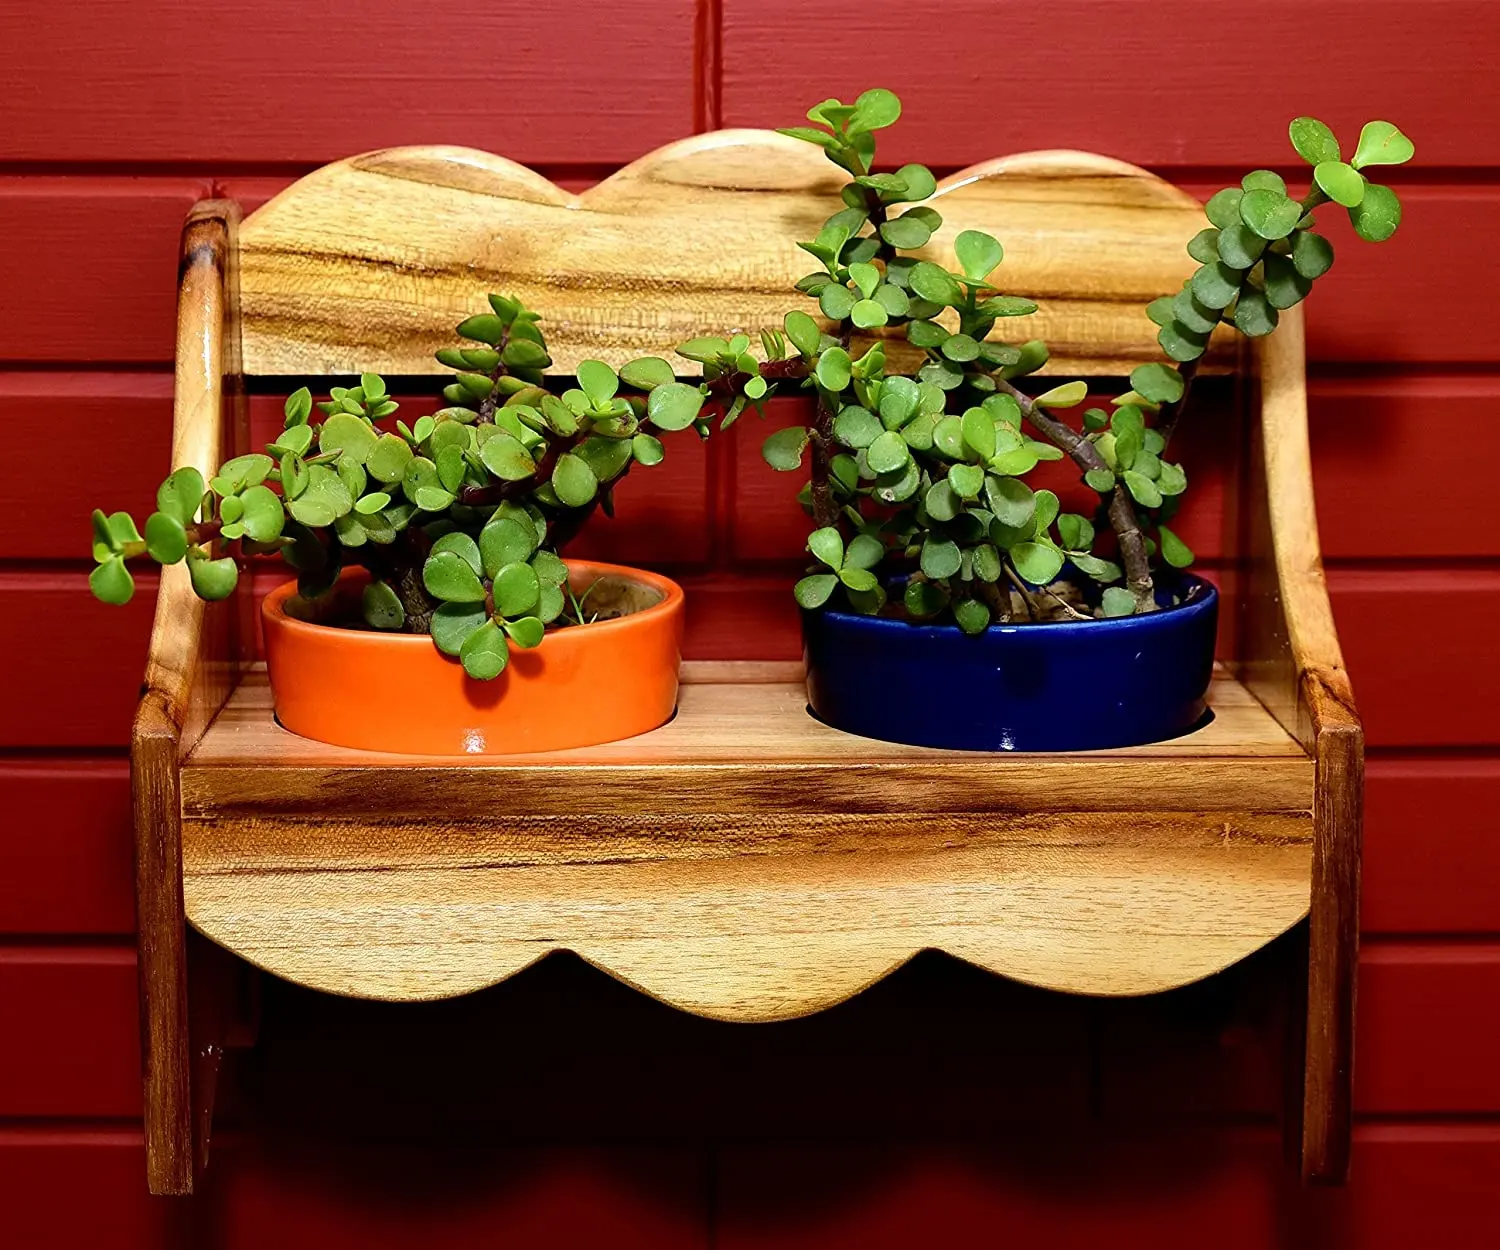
944, 1108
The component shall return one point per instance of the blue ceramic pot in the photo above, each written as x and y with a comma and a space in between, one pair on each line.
1059, 686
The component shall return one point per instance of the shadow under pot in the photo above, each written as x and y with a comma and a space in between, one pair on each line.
352, 686
1055, 686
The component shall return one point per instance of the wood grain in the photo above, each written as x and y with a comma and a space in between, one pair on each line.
193, 662
744, 861
698, 235
775, 917
744, 745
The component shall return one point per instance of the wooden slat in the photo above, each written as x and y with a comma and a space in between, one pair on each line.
1203, 99
128, 419
1432, 845
697, 235
65, 847
70, 1045
734, 724
163, 86
1429, 1020
745, 861
58, 626
1372, 437
128, 230
43, 1172
1436, 694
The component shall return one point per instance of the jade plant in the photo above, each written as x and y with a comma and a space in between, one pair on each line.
918, 478
458, 517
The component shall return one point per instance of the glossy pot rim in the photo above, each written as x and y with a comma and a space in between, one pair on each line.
273, 609
1204, 597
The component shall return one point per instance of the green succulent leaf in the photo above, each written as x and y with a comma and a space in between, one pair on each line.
827, 545
833, 370
166, 539
298, 407
783, 450
505, 457
1314, 142
111, 582
803, 332
933, 282
1271, 214
888, 453
813, 592
645, 373
1118, 602
1142, 488
865, 551
573, 481
941, 557
1068, 395
1215, 286
1036, 562
1312, 254
527, 632
381, 607
212, 580
836, 302
517, 590
674, 405
484, 328
461, 545
1381, 143
1174, 551
388, 461
978, 253
1223, 209
181, 495
907, 232
485, 652
1343, 184
453, 623
1377, 215
924, 599
449, 576
1101, 480
1263, 180
1158, 383
352, 437
598, 381
1255, 315
972, 616
857, 427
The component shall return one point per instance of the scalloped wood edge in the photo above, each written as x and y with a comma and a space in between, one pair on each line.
353, 267
1286, 648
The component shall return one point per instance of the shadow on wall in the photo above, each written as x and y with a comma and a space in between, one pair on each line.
581, 1107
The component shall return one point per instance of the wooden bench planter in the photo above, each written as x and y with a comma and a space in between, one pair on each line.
743, 862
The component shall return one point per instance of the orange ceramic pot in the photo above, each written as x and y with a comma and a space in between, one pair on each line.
583, 685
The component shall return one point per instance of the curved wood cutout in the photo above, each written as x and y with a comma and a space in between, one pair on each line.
368, 263
1117, 903
745, 861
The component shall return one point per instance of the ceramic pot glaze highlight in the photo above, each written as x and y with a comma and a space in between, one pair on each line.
1060, 686
375, 691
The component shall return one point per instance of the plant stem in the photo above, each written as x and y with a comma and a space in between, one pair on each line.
825, 510
1122, 515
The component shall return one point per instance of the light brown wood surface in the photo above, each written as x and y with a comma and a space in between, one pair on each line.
1292, 660
196, 654
746, 861
368, 263
743, 862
